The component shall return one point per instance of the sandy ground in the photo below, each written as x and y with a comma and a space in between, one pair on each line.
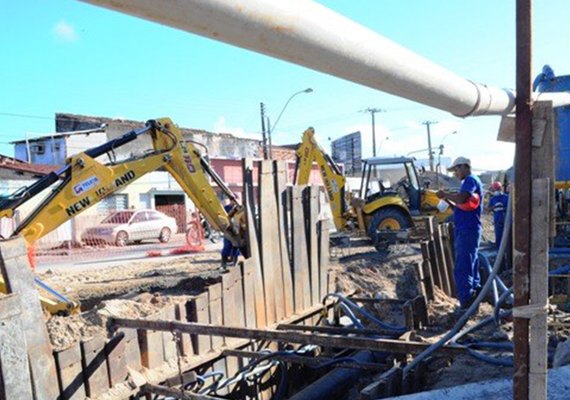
140, 289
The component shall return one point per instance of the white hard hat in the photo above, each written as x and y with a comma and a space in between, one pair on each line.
460, 161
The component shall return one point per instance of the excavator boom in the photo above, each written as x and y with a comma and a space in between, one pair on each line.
309, 151
86, 181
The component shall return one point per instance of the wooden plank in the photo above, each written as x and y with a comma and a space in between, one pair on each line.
538, 352
388, 384
441, 264
198, 311
70, 373
152, 351
280, 168
233, 311
421, 320
249, 293
232, 302
448, 255
15, 382
20, 280
545, 155
253, 244
185, 343
372, 344
116, 359
324, 256
312, 242
269, 245
300, 256
216, 311
132, 349
434, 263
169, 345
426, 271
95, 366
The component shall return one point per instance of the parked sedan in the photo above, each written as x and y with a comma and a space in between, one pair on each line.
123, 227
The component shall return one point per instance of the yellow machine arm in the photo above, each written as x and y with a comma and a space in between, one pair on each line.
85, 182
309, 151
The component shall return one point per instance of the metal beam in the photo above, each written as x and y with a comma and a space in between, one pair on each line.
176, 393
390, 345
311, 361
337, 330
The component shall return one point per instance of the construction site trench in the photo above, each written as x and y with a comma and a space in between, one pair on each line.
157, 287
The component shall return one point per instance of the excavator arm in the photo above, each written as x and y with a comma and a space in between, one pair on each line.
85, 182
309, 151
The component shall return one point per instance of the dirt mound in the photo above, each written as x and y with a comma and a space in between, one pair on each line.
439, 181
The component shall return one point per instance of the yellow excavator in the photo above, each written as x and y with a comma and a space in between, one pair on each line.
84, 181
382, 211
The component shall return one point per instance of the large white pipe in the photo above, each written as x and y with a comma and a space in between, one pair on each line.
307, 33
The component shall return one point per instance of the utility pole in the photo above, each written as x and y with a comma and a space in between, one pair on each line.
270, 150
427, 124
372, 112
263, 132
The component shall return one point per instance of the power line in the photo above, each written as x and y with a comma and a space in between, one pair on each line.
26, 116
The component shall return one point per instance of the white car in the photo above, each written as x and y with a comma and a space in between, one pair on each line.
126, 226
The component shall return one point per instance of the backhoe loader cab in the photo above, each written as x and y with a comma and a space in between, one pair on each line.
392, 196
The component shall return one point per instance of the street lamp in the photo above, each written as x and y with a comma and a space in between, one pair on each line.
270, 128
438, 168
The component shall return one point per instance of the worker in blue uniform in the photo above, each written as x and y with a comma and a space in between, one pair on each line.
498, 205
229, 251
467, 219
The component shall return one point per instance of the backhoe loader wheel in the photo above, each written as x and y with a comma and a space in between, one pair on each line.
164, 235
122, 239
383, 221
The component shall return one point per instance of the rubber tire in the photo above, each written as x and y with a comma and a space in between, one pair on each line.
379, 217
193, 234
165, 235
121, 239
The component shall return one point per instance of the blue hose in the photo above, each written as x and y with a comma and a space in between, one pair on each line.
560, 271
365, 313
501, 361
355, 321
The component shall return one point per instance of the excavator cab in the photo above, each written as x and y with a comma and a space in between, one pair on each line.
388, 177
392, 195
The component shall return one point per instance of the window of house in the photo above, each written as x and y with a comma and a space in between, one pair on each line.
38, 148
113, 202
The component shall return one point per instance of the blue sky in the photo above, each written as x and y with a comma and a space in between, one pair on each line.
72, 57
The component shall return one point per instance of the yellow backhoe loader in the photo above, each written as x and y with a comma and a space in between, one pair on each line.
390, 194
84, 181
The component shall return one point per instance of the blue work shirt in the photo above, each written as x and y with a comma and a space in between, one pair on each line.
470, 220
498, 203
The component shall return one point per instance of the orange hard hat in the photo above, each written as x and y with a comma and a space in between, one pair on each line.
495, 186
471, 204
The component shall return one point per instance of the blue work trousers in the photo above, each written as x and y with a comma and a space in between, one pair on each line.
466, 272
498, 233
229, 251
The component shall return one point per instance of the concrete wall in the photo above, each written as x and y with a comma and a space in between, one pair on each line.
219, 145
